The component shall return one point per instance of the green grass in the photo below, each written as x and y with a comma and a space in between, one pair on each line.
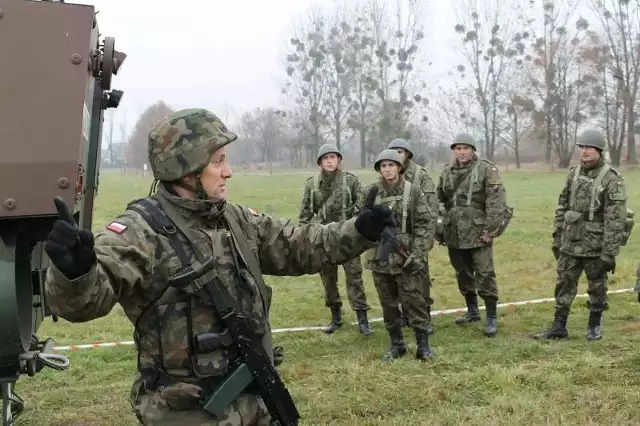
341, 380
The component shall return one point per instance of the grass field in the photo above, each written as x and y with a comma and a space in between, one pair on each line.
340, 379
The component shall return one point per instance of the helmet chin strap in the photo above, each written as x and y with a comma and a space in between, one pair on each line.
198, 189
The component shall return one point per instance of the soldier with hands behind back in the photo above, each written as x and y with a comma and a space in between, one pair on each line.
186, 266
418, 176
402, 275
475, 213
330, 195
591, 224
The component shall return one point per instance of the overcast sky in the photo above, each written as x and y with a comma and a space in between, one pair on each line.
222, 55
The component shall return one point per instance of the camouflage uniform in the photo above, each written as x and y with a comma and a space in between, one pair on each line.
419, 176
473, 203
331, 197
130, 263
402, 278
588, 233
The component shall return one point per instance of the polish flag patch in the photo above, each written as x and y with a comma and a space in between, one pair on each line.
253, 212
117, 227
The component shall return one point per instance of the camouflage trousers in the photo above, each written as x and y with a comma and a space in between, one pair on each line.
355, 285
475, 271
426, 288
568, 270
153, 408
404, 288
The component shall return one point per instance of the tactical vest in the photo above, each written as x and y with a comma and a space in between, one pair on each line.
471, 179
321, 210
372, 255
596, 188
168, 329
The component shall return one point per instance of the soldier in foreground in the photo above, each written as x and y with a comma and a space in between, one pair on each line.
330, 196
399, 276
589, 228
153, 258
419, 176
473, 198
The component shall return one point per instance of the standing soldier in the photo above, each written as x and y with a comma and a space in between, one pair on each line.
399, 277
473, 198
418, 175
591, 223
331, 196
172, 259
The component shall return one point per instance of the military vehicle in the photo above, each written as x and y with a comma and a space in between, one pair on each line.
55, 84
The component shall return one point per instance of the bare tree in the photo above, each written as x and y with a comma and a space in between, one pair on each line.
621, 22
307, 80
265, 126
137, 148
490, 43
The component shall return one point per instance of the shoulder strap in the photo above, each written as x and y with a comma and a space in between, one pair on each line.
473, 174
243, 248
594, 190
315, 186
161, 224
405, 205
346, 195
574, 186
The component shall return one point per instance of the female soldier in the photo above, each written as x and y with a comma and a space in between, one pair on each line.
402, 272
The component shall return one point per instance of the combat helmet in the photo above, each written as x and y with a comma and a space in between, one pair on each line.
401, 143
325, 149
388, 154
464, 138
182, 143
592, 137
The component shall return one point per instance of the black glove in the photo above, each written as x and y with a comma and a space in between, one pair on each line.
372, 220
556, 252
605, 265
69, 248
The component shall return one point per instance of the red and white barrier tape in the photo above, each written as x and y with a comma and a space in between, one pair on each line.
294, 329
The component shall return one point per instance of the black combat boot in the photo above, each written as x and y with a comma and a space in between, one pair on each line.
430, 326
593, 328
423, 351
558, 329
472, 314
336, 320
363, 323
397, 348
491, 322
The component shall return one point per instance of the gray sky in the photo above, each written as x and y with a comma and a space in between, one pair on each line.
221, 55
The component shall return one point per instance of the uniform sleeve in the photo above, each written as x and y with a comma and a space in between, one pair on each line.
563, 204
440, 189
288, 250
356, 191
429, 189
306, 214
495, 199
615, 213
124, 260
362, 196
423, 224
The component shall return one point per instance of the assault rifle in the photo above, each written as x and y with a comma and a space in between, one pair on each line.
255, 368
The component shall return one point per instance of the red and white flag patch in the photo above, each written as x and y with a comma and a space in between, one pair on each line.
117, 227
253, 212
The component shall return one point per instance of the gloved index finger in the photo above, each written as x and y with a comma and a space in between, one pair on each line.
63, 211
371, 197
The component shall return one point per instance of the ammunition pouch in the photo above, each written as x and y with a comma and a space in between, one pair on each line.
628, 227
573, 228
